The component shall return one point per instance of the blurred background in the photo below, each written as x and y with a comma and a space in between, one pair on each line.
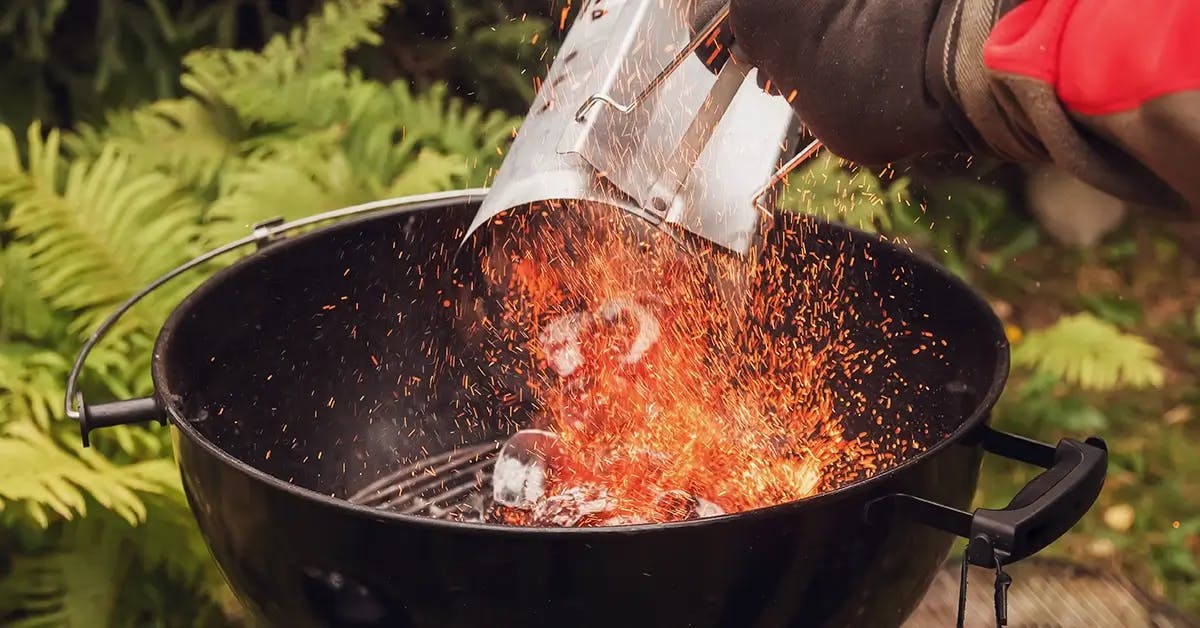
135, 134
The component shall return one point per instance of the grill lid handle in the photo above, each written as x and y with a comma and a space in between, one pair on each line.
1042, 511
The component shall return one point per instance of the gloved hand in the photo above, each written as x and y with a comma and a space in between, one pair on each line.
870, 78
1106, 89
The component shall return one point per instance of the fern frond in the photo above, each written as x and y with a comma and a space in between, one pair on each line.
10, 156
24, 313
106, 232
53, 481
191, 141
297, 180
31, 383
453, 127
1087, 352
248, 80
431, 172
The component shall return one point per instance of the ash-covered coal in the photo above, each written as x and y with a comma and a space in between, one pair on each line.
521, 474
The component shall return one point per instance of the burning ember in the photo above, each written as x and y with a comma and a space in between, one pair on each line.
662, 393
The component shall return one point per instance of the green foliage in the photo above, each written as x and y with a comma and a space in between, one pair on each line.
51, 479
964, 225
1091, 354
1046, 406
66, 62
89, 216
838, 192
1114, 309
502, 32
972, 225
69, 59
70, 585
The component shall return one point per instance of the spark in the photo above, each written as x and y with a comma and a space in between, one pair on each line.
744, 416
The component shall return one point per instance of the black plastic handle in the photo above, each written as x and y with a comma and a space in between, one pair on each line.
1049, 505
1042, 511
124, 412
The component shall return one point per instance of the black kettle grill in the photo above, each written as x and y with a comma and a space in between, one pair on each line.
298, 381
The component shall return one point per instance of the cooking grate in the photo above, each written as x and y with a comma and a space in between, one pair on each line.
456, 485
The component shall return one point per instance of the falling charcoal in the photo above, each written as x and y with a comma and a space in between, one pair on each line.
648, 330
519, 478
562, 338
675, 505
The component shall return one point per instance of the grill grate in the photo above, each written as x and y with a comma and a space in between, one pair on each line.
450, 485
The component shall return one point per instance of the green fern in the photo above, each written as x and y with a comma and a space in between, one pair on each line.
24, 313
192, 141
100, 233
1084, 351
263, 86
30, 383
47, 478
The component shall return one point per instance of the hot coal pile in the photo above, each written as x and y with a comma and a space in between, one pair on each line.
660, 398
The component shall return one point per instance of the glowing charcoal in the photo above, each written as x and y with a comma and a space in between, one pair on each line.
705, 508
650, 385
582, 505
677, 505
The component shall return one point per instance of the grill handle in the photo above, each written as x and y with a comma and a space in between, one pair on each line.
1041, 512
265, 233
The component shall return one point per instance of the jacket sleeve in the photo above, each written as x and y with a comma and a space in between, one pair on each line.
1107, 89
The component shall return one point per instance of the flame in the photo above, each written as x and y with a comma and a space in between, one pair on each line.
664, 370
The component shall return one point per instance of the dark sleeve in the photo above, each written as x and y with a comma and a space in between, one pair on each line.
1107, 89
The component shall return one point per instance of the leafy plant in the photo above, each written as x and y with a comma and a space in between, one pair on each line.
67, 62
1084, 351
1113, 308
90, 215
74, 59
973, 226
836, 191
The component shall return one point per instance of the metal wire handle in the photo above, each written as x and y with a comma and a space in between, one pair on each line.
661, 77
263, 233
781, 174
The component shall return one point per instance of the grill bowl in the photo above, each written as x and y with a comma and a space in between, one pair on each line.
299, 381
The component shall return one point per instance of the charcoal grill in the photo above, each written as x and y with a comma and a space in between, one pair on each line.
336, 460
